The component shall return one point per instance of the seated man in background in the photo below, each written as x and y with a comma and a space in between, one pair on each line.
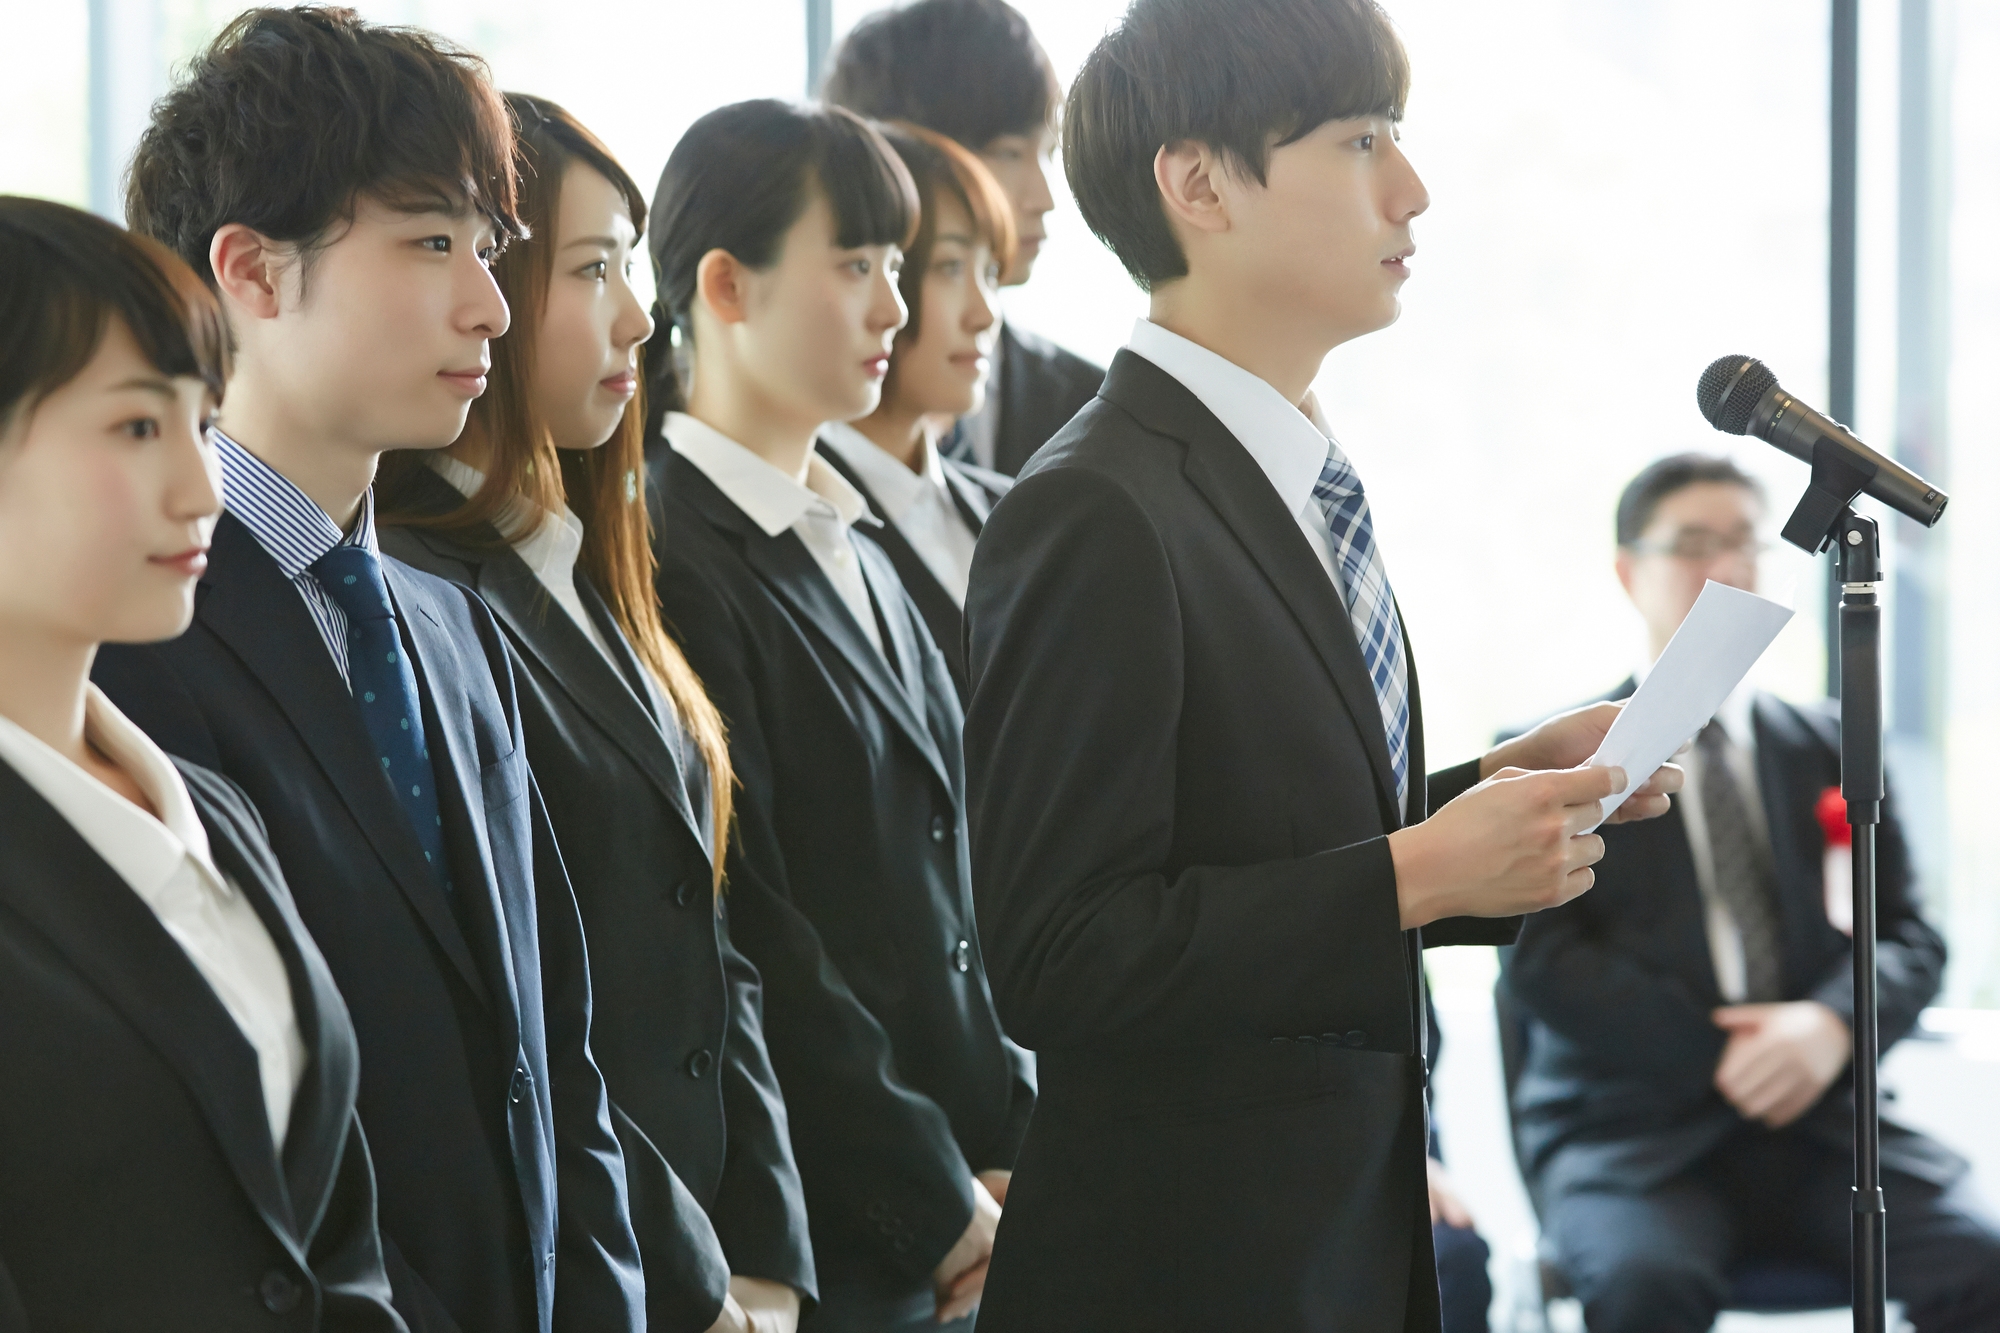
1685, 1103
972, 70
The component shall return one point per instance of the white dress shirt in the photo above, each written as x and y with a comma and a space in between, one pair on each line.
1288, 443
1725, 937
293, 531
822, 508
920, 504
166, 862
550, 549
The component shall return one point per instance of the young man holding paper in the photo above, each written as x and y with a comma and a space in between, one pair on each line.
1199, 812
1684, 1104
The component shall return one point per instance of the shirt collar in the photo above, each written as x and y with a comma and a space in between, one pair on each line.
283, 519
551, 547
1288, 444
144, 852
773, 500
891, 480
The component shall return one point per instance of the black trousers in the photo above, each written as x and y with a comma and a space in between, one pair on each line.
1660, 1262
1464, 1289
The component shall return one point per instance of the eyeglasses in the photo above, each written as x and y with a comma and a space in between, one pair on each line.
1703, 546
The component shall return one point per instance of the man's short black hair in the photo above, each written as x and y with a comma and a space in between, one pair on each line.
969, 69
291, 115
1243, 78
1644, 494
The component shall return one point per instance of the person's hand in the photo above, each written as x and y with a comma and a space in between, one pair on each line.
1446, 1207
1781, 1058
732, 1319
1569, 739
768, 1307
996, 1183
1513, 844
961, 1277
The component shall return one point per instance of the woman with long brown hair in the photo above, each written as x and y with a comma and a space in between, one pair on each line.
540, 507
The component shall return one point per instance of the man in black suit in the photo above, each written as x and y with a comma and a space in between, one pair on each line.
1204, 867
1686, 1101
368, 709
973, 71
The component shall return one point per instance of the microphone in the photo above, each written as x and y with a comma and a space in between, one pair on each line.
1740, 396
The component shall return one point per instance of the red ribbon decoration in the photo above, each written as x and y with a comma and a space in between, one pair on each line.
1831, 811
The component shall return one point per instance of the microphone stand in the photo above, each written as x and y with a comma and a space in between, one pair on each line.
1824, 518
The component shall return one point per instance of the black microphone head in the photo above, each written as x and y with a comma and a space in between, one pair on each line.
1730, 389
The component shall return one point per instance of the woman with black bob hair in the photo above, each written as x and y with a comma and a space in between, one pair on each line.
178, 1142
777, 238
538, 506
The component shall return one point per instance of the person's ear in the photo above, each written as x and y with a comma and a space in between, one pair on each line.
1623, 564
722, 284
1189, 177
247, 270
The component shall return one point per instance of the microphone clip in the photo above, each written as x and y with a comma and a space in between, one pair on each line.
1837, 481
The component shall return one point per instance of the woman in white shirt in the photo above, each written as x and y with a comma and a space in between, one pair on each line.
178, 1143
931, 507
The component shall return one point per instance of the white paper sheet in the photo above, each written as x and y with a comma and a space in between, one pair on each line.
1711, 653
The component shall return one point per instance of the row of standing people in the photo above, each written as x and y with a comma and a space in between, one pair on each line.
569, 815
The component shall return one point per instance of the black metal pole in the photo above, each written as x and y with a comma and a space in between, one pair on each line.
1858, 560
1842, 264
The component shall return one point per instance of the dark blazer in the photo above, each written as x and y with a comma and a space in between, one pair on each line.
503, 1202
1617, 1084
1040, 387
678, 1026
975, 490
139, 1187
1181, 793
849, 886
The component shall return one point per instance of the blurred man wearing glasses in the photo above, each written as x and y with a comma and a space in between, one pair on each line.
1683, 1107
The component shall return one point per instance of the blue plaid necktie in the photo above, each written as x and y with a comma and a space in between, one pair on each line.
385, 687
1371, 604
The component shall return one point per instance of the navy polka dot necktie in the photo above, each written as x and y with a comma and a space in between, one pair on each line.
385, 688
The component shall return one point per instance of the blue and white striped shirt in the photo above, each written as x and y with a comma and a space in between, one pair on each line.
294, 532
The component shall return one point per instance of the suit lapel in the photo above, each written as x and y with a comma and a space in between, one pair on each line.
325, 1097
113, 939
439, 662
974, 504
887, 591
255, 610
545, 632
1223, 471
790, 571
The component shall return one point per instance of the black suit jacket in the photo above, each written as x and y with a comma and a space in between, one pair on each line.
503, 1200
678, 1024
139, 1187
849, 885
975, 490
1040, 387
1617, 1085
1181, 795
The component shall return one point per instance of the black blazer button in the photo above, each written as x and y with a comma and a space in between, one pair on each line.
517, 1091
939, 829
700, 1063
961, 957
279, 1293
1357, 1039
685, 893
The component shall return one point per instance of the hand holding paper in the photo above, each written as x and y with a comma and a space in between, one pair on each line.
1714, 649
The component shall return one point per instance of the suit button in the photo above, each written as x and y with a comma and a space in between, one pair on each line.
517, 1091
939, 829
685, 893
700, 1063
961, 957
1357, 1039
279, 1293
